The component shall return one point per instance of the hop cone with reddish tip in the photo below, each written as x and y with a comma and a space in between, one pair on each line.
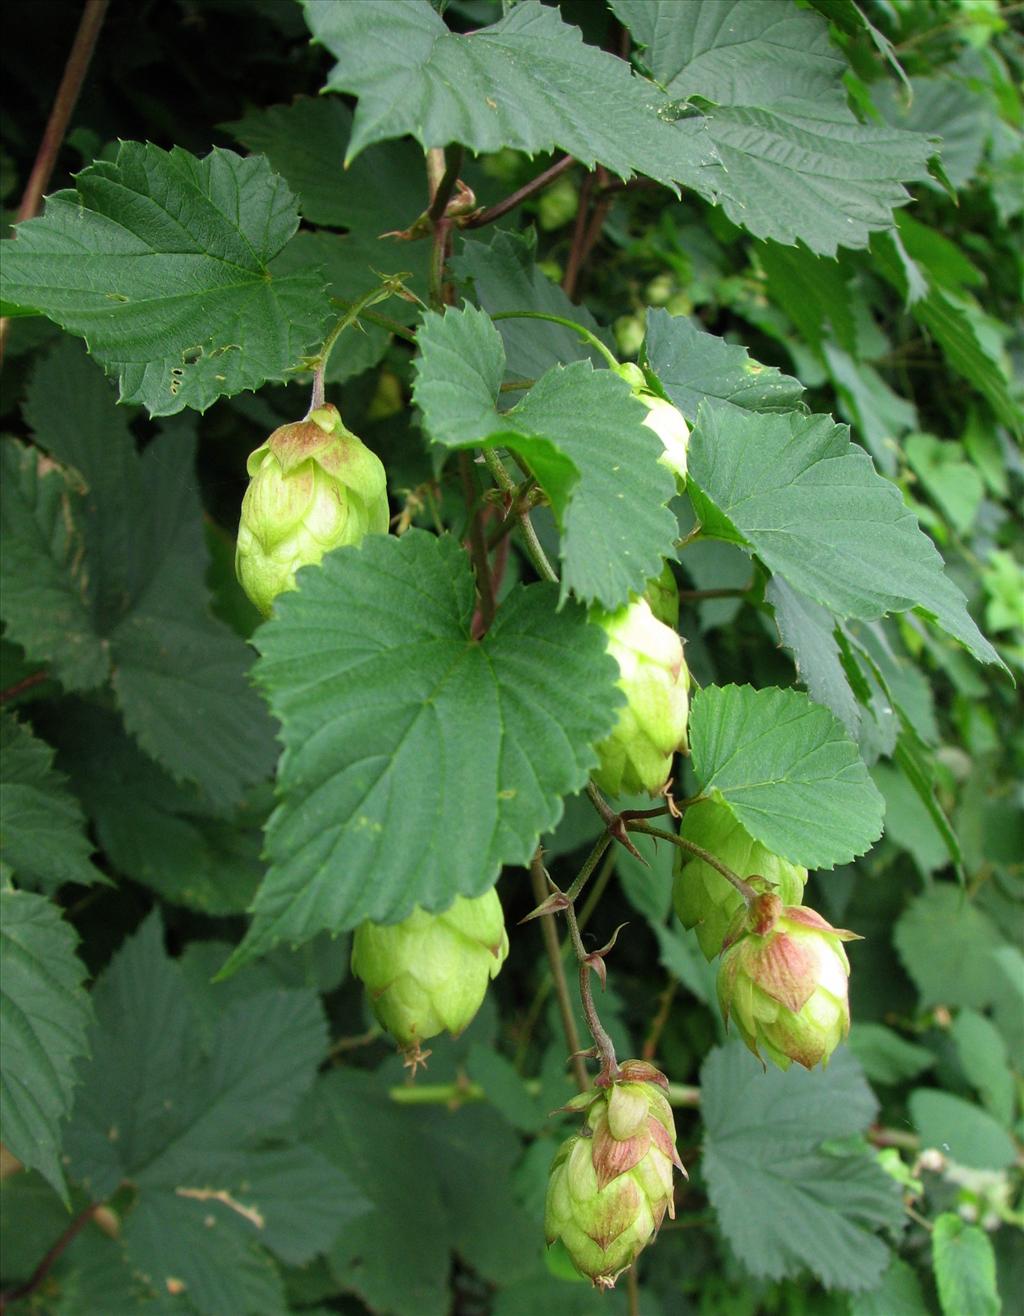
784, 982
610, 1186
314, 486
707, 901
653, 675
430, 972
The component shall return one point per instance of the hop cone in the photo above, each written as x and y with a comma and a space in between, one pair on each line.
429, 973
610, 1187
314, 486
783, 981
707, 901
653, 675
664, 419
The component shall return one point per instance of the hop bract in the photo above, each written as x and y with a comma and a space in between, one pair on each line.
610, 1187
429, 973
653, 675
707, 901
784, 982
314, 486
664, 419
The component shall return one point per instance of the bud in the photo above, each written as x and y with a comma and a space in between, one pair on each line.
663, 418
783, 980
314, 486
429, 973
707, 901
653, 675
609, 1187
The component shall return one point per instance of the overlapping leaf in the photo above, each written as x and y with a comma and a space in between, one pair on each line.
44, 584
190, 1127
787, 770
44, 1017
786, 1203
796, 163
582, 434
417, 761
42, 828
179, 676
796, 492
694, 367
159, 261
965, 1268
527, 81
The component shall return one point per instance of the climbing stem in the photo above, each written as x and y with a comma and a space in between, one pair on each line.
581, 330
743, 887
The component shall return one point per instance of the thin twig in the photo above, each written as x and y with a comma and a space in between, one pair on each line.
609, 1064
539, 880
743, 887
375, 317
633, 1291
446, 185
589, 864
533, 545
579, 233
19, 687
64, 103
659, 1021
477, 542
524, 193
43, 1269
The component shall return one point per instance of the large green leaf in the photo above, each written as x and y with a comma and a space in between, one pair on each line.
788, 771
159, 261
417, 761
899, 1294
190, 1125
44, 1017
695, 367
965, 1268
42, 828
796, 492
505, 277
583, 435
179, 675
796, 163
939, 919
44, 589
964, 1132
527, 81
808, 631
787, 1203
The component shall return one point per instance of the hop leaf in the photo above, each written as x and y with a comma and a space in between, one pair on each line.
637, 756
315, 486
609, 1188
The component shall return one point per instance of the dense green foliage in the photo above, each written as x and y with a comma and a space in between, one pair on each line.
802, 220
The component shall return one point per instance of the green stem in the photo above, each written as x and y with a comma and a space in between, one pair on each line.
591, 862
680, 1095
533, 545
584, 333
743, 887
385, 321
539, 880
477, 542
388, 287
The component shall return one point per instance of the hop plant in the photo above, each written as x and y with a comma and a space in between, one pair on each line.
314, 486
609, 1187
707, 901
784, 981
664, 419
653, 675
662, 593
430, 972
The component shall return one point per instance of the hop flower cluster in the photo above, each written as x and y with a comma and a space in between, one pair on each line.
314, 487
611, 1185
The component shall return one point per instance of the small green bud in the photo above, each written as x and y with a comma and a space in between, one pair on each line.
314, 486
784, 982
610, 1188
707, 901
429, 973
653, 675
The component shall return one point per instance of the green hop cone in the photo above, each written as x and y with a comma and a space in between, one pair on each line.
664, 419
707, 901
784, 982
314, 486
653, 675
609, 1187
430, 972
